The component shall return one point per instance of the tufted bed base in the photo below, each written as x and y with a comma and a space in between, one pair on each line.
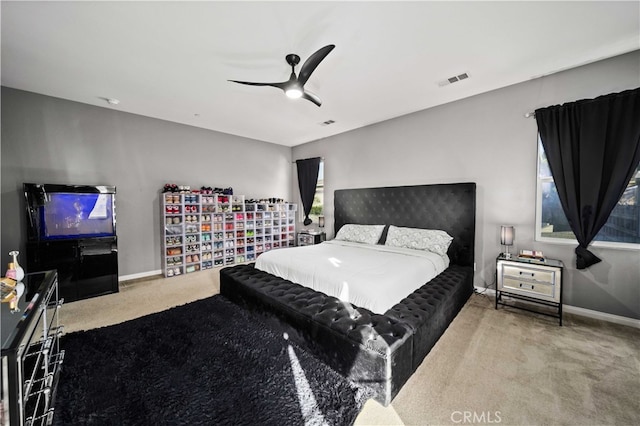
379, 351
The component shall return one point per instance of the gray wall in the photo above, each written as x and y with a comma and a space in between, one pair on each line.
486, 139
50, 140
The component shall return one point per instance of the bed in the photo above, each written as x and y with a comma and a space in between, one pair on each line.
376, 346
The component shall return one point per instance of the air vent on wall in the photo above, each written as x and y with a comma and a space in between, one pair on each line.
453, 79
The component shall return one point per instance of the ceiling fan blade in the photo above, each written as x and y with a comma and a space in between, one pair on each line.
311, 97
311, 64
249, 83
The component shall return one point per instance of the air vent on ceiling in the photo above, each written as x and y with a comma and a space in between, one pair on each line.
326, 123
453, 79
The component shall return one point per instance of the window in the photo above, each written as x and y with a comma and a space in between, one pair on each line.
622, 229
317, 208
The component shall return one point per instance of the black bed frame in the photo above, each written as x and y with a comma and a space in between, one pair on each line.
378, 351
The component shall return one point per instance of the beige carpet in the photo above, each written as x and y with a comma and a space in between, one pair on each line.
506, 367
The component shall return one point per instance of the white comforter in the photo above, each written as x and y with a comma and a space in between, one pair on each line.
375, 277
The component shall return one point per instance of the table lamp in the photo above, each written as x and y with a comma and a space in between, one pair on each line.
507, 234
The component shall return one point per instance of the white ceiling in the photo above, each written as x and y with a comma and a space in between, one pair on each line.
172, 60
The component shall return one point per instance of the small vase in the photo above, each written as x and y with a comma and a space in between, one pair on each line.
16, 266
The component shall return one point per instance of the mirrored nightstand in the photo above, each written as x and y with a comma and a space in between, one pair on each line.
538, 282
309, 239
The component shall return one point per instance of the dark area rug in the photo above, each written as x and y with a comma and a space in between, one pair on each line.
205, 363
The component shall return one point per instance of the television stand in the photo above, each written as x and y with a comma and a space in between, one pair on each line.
86, 267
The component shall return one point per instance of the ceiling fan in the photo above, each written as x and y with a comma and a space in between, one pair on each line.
294, 87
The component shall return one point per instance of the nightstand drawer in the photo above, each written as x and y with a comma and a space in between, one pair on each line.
542, 281
305, 239
527, 286
520, 273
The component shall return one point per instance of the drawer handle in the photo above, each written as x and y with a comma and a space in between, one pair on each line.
529, 286
527, 273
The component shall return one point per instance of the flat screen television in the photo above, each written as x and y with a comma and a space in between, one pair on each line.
69, 211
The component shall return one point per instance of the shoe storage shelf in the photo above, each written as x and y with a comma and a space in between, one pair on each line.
202, 231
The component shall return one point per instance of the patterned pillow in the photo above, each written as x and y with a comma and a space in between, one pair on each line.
367, 234
432, 240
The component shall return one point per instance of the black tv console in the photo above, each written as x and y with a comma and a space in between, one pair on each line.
86, 267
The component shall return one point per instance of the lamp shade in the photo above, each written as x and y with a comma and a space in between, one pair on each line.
507, 234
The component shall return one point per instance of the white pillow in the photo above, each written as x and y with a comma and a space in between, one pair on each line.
432, 240
367, 234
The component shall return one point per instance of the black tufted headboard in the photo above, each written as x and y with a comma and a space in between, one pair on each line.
450, 207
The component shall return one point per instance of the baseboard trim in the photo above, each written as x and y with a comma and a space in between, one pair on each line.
603, 316
137, 276
617, 319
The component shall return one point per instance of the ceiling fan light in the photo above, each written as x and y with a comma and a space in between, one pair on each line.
293, 93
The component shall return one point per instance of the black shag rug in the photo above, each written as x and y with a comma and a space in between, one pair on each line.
205, 363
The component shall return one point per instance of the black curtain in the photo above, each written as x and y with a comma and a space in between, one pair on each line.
593, 148
307, 181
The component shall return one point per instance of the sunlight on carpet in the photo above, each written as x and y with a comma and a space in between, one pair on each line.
311, 413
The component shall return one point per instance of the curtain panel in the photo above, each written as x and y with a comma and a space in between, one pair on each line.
307, 182
593, 149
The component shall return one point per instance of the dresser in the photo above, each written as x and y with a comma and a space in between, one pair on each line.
537, 282
31, 355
